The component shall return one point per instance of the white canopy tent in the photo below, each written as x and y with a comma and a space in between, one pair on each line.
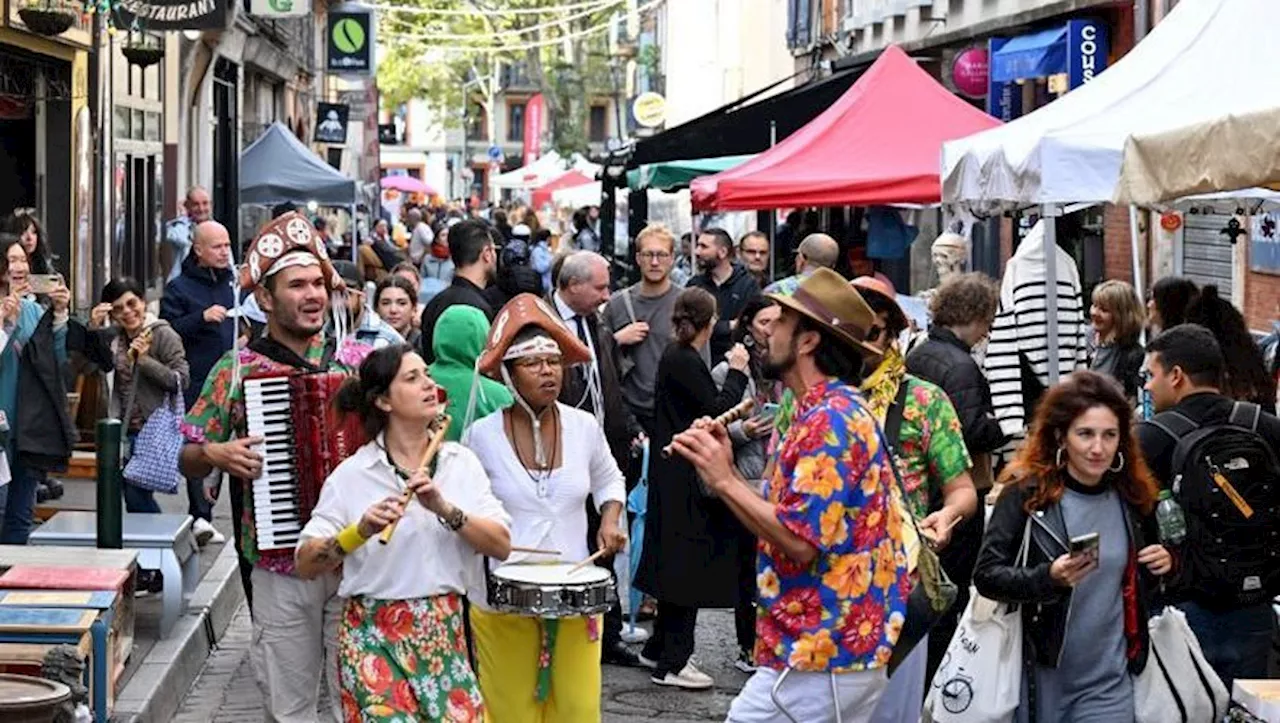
1180, 76
1073, 150
542, 171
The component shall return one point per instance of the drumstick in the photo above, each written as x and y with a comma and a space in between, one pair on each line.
739, 411
437, 439
950, 525
599, 554
534, 550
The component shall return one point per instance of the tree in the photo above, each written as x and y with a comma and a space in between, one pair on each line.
437, 52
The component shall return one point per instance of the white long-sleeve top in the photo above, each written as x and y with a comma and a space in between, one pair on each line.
423, 557
1020, 331
550, 515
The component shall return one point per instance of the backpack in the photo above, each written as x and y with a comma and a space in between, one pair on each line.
1227, 480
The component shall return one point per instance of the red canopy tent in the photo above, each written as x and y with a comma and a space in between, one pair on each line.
542, 194
880, 143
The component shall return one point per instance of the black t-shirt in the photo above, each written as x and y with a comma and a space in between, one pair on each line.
1204, 408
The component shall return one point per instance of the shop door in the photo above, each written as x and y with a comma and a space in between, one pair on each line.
1207, 253
138, 205
226, 149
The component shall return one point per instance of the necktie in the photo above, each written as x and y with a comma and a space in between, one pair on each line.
582, 330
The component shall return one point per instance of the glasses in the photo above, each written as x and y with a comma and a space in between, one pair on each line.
655, 255
539, 363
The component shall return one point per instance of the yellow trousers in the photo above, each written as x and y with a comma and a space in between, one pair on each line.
507, 648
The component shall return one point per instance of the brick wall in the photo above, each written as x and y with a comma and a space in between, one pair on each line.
1262, 300
1117, 253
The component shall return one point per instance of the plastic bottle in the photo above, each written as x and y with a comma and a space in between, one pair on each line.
1170, 520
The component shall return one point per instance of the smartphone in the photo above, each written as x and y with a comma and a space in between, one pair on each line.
44, 283
1086, 545
770, 409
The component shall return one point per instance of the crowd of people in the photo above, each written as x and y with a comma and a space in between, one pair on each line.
870, 445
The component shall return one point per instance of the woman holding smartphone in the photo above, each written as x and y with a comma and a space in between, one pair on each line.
1079, 476
750, 439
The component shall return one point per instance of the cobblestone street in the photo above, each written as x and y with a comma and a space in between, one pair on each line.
226, 693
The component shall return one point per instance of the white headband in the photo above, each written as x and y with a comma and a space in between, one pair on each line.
540, 344
300, 257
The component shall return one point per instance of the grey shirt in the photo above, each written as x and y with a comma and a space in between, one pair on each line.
639, 369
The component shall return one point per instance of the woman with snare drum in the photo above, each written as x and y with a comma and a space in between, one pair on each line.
540, 664
402, 642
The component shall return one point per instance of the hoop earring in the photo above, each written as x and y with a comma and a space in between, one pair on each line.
1058, 458
1120, 464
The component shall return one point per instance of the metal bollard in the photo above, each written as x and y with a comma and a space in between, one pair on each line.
110, 501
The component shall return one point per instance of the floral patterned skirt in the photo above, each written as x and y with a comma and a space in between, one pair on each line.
404, 661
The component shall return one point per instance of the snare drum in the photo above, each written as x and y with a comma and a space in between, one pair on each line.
550, 591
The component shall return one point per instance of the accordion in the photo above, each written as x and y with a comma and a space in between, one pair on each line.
305, 439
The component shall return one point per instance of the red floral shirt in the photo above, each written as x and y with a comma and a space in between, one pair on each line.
830, 487
218, 415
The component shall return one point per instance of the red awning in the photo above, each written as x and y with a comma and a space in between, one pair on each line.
542, 194
880, 143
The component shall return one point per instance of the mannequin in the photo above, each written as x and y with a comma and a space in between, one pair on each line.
950, 255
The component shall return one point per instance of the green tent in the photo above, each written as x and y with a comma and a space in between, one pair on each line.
672, 175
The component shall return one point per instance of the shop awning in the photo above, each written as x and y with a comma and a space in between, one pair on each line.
744, 127
879, 143
1037, 55
677, 174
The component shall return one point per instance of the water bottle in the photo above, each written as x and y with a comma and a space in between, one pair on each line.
1169, 518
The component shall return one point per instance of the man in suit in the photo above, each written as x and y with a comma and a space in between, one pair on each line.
582, 287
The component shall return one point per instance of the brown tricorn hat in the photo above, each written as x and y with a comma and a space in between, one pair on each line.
287, 235
528, 310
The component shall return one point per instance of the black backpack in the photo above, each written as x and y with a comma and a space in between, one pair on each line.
1227, 480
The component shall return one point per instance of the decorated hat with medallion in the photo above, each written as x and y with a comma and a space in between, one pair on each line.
289, 240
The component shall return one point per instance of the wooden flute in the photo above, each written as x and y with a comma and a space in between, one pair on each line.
740, 411
439, 427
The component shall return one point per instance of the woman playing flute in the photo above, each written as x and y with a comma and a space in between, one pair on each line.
545, 459
402, 647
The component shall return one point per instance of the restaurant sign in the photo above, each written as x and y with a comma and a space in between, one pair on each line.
172, 14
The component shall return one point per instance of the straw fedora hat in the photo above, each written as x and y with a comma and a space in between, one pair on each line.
826, 298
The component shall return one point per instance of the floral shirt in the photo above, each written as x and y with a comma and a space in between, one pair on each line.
842, 613
218, 415
931, 451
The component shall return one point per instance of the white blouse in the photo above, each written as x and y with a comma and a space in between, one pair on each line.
550, 514
423, 558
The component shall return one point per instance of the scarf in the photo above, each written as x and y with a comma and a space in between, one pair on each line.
881, 387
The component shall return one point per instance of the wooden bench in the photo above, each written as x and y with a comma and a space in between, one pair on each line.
163, 542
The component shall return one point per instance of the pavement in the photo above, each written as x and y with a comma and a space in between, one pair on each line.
201, 673
226, 693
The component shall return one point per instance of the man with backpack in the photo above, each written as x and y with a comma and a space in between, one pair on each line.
1219, 458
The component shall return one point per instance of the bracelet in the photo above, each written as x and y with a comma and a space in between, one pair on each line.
454, 521
350, 539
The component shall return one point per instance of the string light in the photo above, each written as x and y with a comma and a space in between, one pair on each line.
494, 13
652, 4
514, 31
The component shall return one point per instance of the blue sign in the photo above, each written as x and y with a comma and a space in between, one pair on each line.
495, 153
1004, 100
1087, 50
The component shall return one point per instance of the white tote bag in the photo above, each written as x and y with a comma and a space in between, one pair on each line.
980, 678
1177, 685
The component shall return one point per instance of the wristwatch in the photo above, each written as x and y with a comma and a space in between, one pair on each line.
454, 521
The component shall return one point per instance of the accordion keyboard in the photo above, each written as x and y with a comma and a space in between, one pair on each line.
277, 518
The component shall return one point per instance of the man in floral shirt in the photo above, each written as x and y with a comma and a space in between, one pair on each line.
832, 567
295, 620
933, 464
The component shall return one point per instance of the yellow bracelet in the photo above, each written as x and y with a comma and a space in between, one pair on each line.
350, 539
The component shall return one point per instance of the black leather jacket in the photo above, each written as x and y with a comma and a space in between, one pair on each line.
1045, 605
945, 360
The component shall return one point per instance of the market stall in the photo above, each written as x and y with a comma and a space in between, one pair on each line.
878, 144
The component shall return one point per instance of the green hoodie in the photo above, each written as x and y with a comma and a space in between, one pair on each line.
460, 334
